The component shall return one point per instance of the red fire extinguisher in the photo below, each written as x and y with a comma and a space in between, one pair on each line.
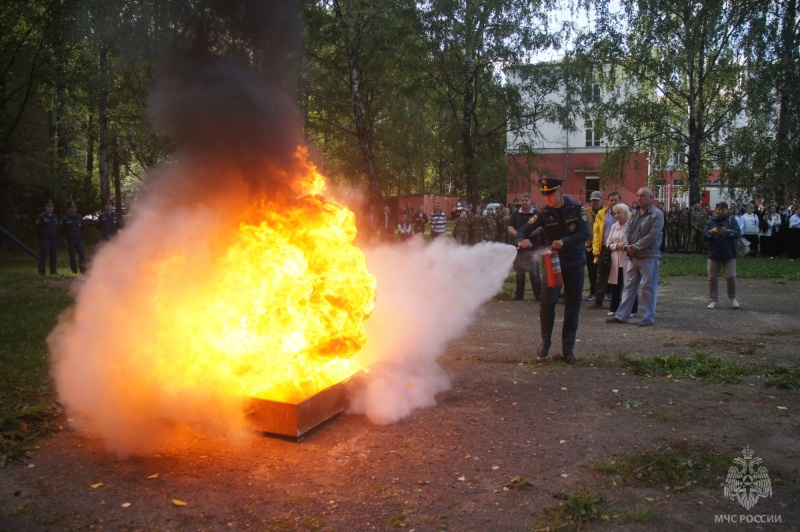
552, 265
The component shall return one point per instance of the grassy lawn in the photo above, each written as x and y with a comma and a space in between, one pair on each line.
747, 267
30, 307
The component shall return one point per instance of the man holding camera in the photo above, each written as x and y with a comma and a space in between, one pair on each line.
720, 231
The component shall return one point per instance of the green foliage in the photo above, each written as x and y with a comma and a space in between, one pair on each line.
700, 367
576, 510
786, 378
746, 267
631, 403
682, 464
706, 368
672, 85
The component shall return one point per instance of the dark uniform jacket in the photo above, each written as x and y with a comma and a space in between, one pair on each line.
72, 226
108, 223
47, 225
571, 227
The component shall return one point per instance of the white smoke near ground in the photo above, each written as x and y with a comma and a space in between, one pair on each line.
428, 294
137, 382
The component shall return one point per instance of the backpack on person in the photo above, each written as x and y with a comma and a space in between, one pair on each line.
740, 244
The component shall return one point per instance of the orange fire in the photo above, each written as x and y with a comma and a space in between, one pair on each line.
282, 315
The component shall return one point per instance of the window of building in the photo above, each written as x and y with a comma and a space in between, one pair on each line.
592, 184
591, 92
593, 137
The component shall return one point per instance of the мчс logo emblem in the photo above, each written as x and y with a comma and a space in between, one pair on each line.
749, 483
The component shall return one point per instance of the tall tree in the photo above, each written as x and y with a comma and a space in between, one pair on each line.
765, 151
363, 129
678, 70
467, 44
23, 58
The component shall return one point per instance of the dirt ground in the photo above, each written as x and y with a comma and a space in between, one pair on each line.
452, 467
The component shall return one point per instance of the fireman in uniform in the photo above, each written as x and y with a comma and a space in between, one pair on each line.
47, 231
108, 221
72, 229
563, 223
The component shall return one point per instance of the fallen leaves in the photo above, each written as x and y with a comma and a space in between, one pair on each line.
178, 502
95, 486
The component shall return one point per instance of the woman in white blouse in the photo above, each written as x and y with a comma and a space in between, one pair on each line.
619, 259
749, 228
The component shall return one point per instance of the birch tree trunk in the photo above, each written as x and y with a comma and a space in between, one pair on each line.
363, 129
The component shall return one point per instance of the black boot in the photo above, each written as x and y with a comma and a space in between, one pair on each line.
569, 357
543, 349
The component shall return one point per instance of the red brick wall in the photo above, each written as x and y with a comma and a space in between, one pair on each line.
573, 167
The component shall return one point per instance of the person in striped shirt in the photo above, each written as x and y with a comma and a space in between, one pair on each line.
438, 221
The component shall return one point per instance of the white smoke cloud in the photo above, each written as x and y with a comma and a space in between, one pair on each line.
428, 294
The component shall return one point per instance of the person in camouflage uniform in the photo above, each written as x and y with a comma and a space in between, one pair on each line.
409, 211
477, 227
461, 229
502, 225
698, 221
672, 229
684, 227
490, 225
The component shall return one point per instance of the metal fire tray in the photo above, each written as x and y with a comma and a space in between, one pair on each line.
295, 420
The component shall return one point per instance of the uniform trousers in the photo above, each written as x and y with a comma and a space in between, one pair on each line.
591, 267
573, 289
601, 287
672, 238
48, 248
527, 266
76, 246
646, 273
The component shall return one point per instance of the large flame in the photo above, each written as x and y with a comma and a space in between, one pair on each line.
285, 313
